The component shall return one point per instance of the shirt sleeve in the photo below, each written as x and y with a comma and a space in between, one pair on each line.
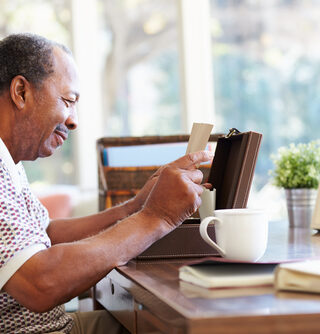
17, 261
22, 222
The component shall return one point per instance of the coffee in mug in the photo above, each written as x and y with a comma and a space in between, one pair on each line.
241, 234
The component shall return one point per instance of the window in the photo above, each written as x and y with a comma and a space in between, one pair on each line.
266, 62
141, 70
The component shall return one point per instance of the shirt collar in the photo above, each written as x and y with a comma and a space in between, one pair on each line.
9, 163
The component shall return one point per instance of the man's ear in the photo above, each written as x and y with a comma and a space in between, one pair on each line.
19, 91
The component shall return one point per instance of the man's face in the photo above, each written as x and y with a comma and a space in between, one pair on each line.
54, 111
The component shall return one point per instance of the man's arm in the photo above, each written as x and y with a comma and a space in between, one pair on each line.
73, 229
57, 274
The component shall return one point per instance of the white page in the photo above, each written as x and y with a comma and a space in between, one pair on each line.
199, 137
228, 275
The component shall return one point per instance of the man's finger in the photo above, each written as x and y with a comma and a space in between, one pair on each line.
191, 160
199, 189
195, 175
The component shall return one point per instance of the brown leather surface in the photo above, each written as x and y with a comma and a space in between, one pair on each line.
233, 168
231, 174
184, 241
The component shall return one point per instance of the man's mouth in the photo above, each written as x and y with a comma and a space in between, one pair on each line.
62, 134
60, 137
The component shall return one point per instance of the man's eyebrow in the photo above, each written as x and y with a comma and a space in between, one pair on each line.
76, 94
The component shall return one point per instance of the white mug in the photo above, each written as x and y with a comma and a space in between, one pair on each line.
241, 234
208, 203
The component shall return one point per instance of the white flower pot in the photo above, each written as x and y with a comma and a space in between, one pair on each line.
300, 205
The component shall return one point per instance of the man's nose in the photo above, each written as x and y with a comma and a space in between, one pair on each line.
72, 121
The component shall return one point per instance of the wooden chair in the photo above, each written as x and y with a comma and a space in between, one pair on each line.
118, 184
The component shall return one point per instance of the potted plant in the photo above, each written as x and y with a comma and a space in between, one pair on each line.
297, 170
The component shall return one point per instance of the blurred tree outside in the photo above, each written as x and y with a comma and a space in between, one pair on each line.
141, 62
267, 71
168, 118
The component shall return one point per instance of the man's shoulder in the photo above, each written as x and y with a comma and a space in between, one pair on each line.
4, 170
15, 179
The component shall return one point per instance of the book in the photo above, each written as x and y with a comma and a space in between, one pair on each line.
298, 276
227, 274
190, 290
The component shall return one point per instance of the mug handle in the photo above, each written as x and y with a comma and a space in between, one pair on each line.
204, 233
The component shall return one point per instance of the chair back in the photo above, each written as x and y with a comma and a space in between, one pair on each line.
126, 163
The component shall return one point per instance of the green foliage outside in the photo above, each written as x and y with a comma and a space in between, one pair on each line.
167, 118
254, 96
282, 105
297, 166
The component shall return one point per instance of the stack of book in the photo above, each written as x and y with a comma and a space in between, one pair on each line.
214, 274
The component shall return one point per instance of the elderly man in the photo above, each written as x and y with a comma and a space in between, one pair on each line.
45, 263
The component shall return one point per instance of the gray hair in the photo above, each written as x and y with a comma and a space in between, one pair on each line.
28, 55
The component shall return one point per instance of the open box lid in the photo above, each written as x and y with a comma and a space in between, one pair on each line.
233, 168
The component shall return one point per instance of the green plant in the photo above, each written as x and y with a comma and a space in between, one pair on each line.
297, 166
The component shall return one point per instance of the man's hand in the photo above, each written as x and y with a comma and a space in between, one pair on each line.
176, 194
138, 201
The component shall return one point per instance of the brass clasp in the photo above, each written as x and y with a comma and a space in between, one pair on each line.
232, 132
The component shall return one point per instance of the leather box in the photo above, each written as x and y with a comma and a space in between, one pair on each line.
231, 174
184, 241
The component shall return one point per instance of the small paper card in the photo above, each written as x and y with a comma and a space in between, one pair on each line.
199, 137
315, 222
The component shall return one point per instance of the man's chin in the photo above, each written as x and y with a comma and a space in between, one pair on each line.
48, 152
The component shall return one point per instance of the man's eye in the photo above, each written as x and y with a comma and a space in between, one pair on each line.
68, 102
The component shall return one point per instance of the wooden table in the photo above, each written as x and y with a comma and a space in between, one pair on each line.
147, 297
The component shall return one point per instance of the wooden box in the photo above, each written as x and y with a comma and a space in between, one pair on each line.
118, 184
